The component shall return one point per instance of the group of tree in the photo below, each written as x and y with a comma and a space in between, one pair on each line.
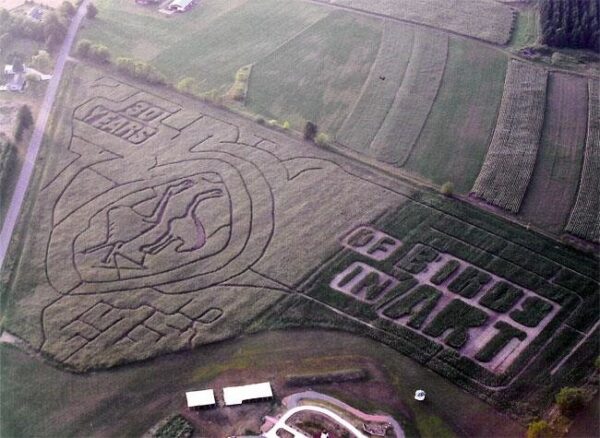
94, 52
51, 30
140, 70
569, 401
571, 23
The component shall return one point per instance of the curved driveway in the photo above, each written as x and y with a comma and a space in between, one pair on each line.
281, 424
38, 134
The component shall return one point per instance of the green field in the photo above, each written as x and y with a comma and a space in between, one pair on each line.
317, 75
210, 43
104, 403
455, 138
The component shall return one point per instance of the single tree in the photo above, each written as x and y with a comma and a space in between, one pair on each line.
24, 121
538, 429
41, 61
91, 11
570, 400
83, 48
188, 85
310, 131
447, 189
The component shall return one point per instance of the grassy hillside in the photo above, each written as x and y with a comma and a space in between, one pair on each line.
455, 138
317, 75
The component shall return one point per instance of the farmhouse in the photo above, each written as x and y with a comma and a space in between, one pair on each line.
200, 399
180, 5
236, 395
15, 80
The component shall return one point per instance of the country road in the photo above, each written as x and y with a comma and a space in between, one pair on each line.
38, 135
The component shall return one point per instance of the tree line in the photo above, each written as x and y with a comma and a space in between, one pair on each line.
571, 23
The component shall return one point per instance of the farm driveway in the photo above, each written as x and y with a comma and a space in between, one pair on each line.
38, 134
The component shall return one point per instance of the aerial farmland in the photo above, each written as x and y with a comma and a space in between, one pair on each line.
331, 218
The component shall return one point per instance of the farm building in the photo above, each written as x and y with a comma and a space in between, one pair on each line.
15, 80
200, 399
236, 395
180, 5
147, 2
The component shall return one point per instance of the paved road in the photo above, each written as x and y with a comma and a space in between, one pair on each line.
38, 135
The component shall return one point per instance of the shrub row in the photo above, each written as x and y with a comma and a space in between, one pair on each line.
349, 375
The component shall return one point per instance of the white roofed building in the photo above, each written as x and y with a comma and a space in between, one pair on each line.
236, 395
200, 399
180, 5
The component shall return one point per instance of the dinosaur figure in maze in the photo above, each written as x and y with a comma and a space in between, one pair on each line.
124, 223
127, 230
187, 229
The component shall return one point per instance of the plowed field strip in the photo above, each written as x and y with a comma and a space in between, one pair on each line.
558, 167
585, 217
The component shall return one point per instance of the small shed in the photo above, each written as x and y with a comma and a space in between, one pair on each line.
200, 399
236, 395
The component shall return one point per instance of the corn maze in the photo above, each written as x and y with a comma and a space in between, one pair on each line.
156, 228
160, 228
585, 216
510, 160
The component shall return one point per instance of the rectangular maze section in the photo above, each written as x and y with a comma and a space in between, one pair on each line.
459, 292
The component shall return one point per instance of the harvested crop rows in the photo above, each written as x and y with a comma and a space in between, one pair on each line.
482, 19
585, 216
369, 111
511, 157
558, 166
